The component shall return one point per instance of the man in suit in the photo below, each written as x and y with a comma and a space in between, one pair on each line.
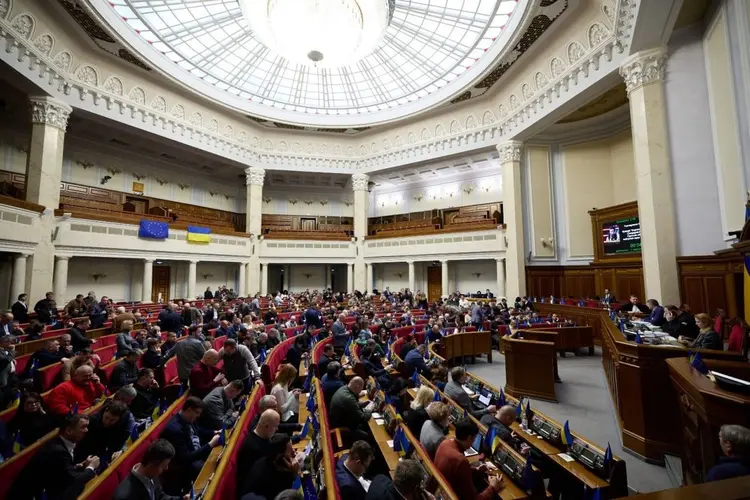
634, 307
415, 360
6, 325
327, 357
656, 317
143, 481
46, 309
170, 321
406, 485
20, 309
350, 470
313, 318
98, 312
47, 355
735, 444
78, 338
218, 407
454, 390
183, 433
126, 371
346, 411
257, 445
188, 352
608, 297
51, 471
339, 332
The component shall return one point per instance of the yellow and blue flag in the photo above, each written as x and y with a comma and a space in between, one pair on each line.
17, 444
16, 400
199, 234
305, 429
153, 230
133, 436
567, 437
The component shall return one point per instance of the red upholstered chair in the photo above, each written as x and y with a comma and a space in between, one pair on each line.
12, 467
107, 340
22, 362
219, 343
106, 354
49, 376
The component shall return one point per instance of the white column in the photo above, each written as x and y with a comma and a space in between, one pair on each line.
49, 119
241, 288
327, 272
444, 278
644, 79
148, 277
510, 160
192, 270
61, 280
264, 279
248, 276
500, 278
254, 178
18, 280
370, 283
359, 185
287, 276
411, 276
350, 278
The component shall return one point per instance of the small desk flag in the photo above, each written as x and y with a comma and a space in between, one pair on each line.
567, 437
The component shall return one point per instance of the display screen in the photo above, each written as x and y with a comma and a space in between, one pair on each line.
622, 236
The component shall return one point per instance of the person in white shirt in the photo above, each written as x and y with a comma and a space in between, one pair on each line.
288, 399
350, 471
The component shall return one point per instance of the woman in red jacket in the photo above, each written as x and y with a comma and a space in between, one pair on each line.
737, 333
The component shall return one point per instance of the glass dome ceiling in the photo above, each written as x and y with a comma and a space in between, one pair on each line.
431, 51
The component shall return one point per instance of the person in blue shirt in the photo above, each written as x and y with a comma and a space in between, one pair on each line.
415, 360
225, 329
735, 443
656, 317
434, 334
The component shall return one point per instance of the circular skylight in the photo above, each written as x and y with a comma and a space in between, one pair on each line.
426, 52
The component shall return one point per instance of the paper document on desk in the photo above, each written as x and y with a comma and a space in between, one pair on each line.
377, 416
390, 443
379, 421
485, 400
467, 390
566, 457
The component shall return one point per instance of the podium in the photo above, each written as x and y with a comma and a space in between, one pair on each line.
704, 408
529, 368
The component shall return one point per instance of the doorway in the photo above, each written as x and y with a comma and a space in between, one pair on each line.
434, 283
160, 284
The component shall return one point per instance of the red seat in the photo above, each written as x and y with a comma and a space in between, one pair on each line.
219, 343
22, 362
106, 354
49, 376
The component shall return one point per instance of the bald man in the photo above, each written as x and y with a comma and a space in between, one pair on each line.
501, 420
120, 317
256, 446
205, 376
81, 391
269, 402
346, 410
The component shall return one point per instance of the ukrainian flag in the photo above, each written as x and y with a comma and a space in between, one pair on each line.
198, 234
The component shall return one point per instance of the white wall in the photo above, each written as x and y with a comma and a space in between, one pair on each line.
6, 274
387, 275
696, 191
437, 194
115, 283
221, 273
296, 201
466, 282
306, 276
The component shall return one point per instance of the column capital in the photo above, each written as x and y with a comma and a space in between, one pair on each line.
255, 176
62, 257
148, 261
49, 111
24, 255
193, 261
643, 68
510, 151
501, 259
360, 182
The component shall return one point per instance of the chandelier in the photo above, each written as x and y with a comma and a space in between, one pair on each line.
320, 33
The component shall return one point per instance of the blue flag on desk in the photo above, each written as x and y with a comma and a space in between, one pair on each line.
415, 378
306, 385
501, 399
310, 404
437, 397
223, 435
519, 409
696, 361
308, 489
638, 338
567, 437
607, 456
528, 475
153, 230
305, 429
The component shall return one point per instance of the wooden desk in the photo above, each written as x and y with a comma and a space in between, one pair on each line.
467, 344
729, 489
639, 383
529, 368
566, 338
704, 408
381, 437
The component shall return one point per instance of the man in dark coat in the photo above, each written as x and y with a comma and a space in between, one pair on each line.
143, 481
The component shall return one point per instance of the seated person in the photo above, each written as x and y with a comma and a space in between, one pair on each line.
346, 411
327, 356
350, 470
454, 390
78, 339
269, 402
434, 334
415, 361
679, 323
125, 341
169, 343
142, 483
408, 479
451, 462
737, 334
416, 415
502, 420
84, 357
374, 367
375, 346
218, 406
30, 422
656, 317
125, 372
297, 351
707, 338
409, 344
106, 435
634, 307
436, 427
49, 354
257, 444
735, 444
190, 452
331, 381
151, 357
275, 472
146, 394
287, 397
205, 376
77, 394
34, 330
51, 472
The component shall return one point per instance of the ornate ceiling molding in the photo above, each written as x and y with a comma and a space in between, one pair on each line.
83, 88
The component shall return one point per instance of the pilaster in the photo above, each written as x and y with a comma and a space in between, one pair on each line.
359, 186
510, 161
192, 271
643, 73
148, 276
61, 280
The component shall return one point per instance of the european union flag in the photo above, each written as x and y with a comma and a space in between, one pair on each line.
501, 399
153, 230
310, 404
306, 386
347, 348
638, 338
437, 397
315, 423
567, 437
181, 391
243, 405
527, 412
133, 436
528, 475
297, 484
262, 356
697, 363
607, 456
415, 378
397, 440
308, 489
34, 367
223, 435
74, 410
622, 325
519, 409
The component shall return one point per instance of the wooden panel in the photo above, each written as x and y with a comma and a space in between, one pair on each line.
160, 283
434, 283
692, 291
716, 297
